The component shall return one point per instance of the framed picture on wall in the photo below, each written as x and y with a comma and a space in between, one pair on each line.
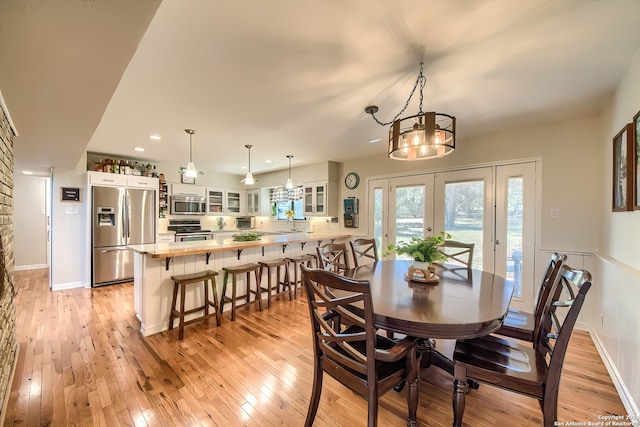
636, 161
623, 167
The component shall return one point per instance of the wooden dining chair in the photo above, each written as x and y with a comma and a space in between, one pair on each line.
530, 370
458, 253
363, 251
333, 257
347, 347
521, 324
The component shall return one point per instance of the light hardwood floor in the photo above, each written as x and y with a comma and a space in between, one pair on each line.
82, 361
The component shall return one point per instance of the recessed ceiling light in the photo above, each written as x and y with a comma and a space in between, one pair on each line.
373, 141
155, 137
27, 173
268, 161
138, 148
243, 167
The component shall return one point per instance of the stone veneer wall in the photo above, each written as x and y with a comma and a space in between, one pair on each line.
7, 307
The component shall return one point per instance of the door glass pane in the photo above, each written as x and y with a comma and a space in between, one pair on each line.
409, 214
464, 215
514, 233
377, 219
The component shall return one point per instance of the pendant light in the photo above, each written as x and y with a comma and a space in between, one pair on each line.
248, 179
421, 136
289, 185
190, 171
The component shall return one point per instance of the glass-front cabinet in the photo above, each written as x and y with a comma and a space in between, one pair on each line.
233, 202
253, 202
315, 198
215, 201
224, 201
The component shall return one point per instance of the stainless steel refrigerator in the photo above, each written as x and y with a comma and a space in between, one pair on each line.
120, 217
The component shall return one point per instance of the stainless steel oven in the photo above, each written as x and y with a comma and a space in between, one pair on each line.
187, 205
192, 237
189, 230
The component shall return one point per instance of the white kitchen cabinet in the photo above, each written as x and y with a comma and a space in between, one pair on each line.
253, 202
320, 198
107, 179
142, 182
215, 201
224, 201
187, 190
166, 237
235, 202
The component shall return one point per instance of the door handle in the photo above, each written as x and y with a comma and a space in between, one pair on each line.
429, 228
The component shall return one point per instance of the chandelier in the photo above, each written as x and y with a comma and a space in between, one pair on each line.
421, 136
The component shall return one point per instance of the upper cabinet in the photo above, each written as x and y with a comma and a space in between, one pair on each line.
224, 201
253, 202
320, 198
187, 190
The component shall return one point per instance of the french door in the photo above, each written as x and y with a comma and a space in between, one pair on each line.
492, 207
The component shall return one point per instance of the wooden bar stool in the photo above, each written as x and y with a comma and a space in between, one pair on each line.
277, 264
234, 271
182, 282
308, 260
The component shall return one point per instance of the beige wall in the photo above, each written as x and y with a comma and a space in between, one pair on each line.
30, 226
571, 175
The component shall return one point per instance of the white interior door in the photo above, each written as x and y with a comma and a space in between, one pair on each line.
463, 208
515, 230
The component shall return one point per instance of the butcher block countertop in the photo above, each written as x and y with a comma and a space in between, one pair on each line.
170, 249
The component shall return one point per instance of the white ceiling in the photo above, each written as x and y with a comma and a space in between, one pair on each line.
294, 76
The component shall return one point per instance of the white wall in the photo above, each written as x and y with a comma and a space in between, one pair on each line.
69, 231
612, 310
30, 221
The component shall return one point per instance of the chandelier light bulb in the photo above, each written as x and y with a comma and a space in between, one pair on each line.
249, 179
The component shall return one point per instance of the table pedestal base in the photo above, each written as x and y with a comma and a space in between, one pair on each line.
431, 356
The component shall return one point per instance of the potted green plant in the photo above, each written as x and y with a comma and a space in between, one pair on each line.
421, 249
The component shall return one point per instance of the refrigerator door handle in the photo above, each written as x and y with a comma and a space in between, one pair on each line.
104, 251
128, 207
124, 222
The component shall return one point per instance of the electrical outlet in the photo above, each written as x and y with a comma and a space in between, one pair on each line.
555, 213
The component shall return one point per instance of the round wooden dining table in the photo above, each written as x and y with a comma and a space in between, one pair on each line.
463, 304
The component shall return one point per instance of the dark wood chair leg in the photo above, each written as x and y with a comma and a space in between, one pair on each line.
258, 289
216, 303
315, 394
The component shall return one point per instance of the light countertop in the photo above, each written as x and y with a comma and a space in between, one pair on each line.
171, 249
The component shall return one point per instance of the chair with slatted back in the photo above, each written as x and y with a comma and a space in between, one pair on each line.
333, 257
520, 324
458, 253
347, 347
364, 251
530, 370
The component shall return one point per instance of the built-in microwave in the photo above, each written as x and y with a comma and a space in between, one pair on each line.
187, 205
245, 222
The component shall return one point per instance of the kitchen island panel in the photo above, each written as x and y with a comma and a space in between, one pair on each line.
153, 286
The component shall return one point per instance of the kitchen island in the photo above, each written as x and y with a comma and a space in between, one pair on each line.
154, 264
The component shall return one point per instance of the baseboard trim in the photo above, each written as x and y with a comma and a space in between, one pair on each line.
70, 285
5, 398
30, 267
618, 382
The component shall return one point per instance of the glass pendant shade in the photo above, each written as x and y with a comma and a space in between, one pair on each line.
191, 170
423, 136
289, 184
248, 179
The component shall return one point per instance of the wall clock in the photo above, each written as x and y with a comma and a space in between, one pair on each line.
352, 180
